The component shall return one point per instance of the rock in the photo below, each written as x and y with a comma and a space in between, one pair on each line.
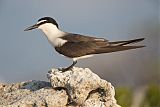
84, 87
31, 94
74, 88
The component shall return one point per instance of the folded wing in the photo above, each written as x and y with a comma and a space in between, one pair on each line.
97, 46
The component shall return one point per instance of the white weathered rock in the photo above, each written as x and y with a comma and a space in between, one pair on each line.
85, 88
31, 94
79, 85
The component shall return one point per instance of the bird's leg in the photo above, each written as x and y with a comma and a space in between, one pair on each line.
68, 68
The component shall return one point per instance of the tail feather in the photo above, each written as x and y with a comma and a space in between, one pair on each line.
109, 49
122, 43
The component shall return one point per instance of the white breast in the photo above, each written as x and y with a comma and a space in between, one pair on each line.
53, 34
57, 42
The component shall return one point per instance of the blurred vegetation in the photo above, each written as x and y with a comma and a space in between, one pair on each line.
124, 96
152, 97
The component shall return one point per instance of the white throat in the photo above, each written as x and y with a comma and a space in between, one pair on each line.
53, 34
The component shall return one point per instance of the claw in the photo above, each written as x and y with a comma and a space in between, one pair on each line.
68, 68
64, 69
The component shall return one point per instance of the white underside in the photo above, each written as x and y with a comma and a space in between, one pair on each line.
82, 57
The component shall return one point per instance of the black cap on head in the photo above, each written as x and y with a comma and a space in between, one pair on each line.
42, 21
47, 20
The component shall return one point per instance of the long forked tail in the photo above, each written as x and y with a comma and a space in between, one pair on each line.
119, 46
122, 43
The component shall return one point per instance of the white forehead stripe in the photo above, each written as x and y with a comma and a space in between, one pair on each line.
41, 21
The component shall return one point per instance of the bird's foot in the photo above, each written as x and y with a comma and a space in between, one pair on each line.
65, 69
68, 68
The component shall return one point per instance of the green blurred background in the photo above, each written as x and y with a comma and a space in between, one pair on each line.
144, 97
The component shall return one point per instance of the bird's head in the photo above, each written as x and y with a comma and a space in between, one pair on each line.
44, 23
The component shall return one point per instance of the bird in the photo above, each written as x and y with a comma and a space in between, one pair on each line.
77, 46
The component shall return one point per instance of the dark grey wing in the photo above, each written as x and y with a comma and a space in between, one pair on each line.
122, 43
110, 49
79, 45
77, 49
119, 46
81, 38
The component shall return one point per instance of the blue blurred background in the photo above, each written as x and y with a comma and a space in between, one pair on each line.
28, 55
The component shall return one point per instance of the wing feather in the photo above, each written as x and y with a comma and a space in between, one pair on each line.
79, 45
81, 38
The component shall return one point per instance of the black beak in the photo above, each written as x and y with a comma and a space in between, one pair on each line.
31, 27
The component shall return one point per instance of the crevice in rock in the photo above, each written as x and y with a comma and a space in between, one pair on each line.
100, 91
